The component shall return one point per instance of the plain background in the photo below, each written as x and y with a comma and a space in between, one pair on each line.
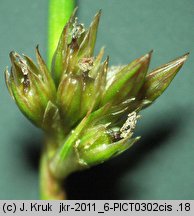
161, 165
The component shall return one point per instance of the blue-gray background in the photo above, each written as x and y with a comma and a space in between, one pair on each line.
161, 165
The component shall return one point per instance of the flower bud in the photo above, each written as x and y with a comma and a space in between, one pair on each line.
75, 44
31, 86
78, 94
94, 141
159, 79
126, 83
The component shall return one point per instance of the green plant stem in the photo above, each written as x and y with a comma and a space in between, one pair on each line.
50, 187
59, 13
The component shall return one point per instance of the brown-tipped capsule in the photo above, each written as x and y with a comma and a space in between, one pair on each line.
30, 86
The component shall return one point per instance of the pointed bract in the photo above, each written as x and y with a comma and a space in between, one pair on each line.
159, 79
86, 48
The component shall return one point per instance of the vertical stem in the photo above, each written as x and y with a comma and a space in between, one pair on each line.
59, 13
50, 187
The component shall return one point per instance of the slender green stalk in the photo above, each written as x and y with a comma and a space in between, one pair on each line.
50, 187
59, 14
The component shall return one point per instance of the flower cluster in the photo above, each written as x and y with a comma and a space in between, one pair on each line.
93, 107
